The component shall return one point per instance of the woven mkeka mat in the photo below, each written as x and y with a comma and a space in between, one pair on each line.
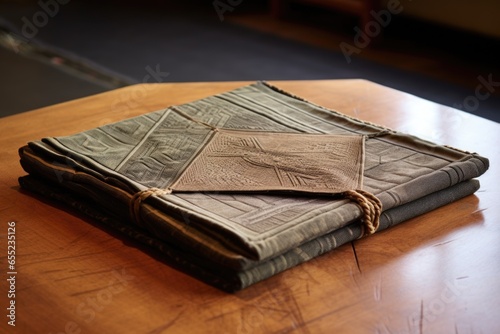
250, 182
252, 161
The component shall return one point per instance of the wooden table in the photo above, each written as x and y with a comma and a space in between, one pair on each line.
437, 273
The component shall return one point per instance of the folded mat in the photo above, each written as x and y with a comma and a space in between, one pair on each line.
154, 178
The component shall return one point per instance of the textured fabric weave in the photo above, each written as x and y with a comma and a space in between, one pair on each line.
234, 239
242, 161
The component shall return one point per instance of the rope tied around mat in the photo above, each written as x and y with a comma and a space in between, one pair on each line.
371, 207
369, 204
139, 197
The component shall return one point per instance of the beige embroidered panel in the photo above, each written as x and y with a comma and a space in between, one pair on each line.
257, 161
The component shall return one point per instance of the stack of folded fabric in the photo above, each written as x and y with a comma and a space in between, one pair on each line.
237, 187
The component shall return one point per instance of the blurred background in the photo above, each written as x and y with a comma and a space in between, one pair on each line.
55, 50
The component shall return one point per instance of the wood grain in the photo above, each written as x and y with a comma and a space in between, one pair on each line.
437, 273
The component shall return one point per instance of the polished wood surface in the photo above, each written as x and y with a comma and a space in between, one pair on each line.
437, 273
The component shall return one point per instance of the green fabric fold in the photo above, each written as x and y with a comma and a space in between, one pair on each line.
233, 239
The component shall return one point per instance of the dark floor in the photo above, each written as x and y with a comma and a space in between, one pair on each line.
88, 47
29, 84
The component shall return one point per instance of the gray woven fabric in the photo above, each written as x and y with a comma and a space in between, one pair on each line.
247, 234
226, 279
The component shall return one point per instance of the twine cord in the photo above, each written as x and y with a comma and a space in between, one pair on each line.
139, 197
371, 207
369, 204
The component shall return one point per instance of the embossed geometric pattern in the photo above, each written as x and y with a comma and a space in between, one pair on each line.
154, 149
235, 239
255, 161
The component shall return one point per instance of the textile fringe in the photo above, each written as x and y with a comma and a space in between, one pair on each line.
371, 206
139, 197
